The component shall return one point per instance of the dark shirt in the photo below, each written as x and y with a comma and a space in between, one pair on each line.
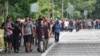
17, 28
41, 31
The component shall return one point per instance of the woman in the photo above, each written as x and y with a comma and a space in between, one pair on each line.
8, 32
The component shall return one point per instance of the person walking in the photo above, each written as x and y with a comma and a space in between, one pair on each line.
27, 31
16, 34
8, 32
70, 26
77, 25
48, 31
66, 23
41, 31
57, 29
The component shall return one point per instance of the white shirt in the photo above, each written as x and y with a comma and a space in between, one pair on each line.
66, 23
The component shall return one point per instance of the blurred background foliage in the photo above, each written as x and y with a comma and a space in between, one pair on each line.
22, 8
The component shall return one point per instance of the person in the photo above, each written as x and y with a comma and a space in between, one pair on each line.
77, 24
34, 31
70, 26
89, 24
16, 34
57, 28
66, 25
62, 23
27, 32
8, 32
97, 24
41, 31
48, 31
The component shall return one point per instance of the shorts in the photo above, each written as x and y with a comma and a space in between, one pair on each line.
8, 39
28, 38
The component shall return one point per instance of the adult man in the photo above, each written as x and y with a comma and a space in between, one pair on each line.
41, 31
70, 26
27, 31
48, 30
16, 35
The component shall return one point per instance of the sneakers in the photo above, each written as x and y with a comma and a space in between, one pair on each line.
31, 50
27, 51
8, 50
16, 51
5, 50
41, 51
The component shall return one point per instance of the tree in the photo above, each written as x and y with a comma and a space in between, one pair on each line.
18, 7
96, 12
80, 6
22, 8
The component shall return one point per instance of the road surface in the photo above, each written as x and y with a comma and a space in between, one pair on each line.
82, 43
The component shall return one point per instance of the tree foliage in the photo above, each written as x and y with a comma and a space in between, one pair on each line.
22, 8
18, 7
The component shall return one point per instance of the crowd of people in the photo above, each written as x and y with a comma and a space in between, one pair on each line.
38, 32
77, 24
33, 32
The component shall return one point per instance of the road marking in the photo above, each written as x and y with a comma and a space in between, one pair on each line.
47, 51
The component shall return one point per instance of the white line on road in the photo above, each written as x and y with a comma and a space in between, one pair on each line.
46, 52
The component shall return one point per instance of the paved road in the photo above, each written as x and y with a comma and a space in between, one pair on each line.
82, 43
22, 51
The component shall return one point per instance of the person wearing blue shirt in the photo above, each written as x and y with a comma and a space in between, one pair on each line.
57, 29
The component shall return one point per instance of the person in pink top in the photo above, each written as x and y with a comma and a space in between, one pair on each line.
8, 31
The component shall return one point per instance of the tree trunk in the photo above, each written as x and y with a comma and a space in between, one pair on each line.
6, 9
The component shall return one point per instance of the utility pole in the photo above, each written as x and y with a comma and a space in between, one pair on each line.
62, 8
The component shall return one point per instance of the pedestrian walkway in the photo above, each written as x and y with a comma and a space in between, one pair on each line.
82, 43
